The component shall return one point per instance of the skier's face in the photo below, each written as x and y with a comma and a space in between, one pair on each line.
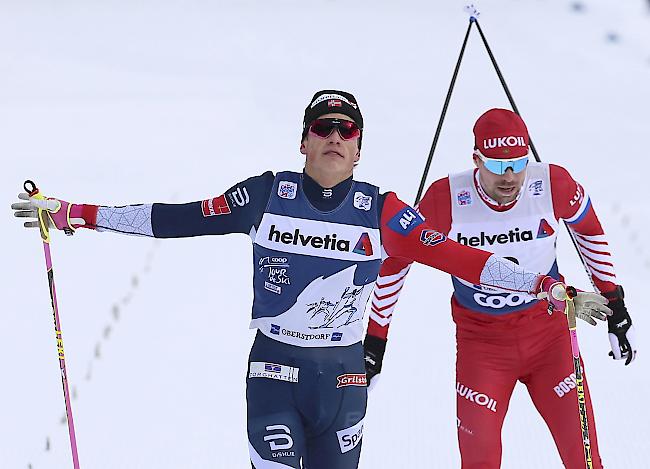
330, 160
503, 188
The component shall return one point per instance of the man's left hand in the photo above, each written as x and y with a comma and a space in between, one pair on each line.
620, 328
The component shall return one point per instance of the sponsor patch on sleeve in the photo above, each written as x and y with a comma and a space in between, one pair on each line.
431, 237
405, 221
216, 206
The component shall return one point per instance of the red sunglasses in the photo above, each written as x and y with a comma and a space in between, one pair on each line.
323, 128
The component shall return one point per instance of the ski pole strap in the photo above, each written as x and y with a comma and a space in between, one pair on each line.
572, 322
32, 190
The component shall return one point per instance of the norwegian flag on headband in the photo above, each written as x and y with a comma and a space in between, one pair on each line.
334, 103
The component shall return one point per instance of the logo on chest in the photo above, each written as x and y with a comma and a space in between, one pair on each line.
516, 235
287, 190
536, 188
362, 201
330, 241
464, 197
277, 270
486, 239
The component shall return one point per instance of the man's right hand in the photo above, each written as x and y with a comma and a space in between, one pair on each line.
373, 355
59, 214
588, 306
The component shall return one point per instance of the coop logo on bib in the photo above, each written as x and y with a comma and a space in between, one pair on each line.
502, 301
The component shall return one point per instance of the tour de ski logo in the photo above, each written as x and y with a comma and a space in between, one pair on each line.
287, 190
464, 197
362, 201
277, 270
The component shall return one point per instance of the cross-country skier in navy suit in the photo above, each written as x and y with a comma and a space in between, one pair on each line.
318, 239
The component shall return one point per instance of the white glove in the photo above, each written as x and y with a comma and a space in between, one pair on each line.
587, 305
591, 305
60, 214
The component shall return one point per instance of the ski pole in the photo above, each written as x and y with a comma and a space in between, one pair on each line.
472, 19
577, 367
530, 141
33, 192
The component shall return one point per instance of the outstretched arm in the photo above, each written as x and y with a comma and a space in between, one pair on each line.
238, 210
407, 235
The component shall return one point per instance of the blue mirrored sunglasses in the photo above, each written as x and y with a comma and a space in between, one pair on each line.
500, 167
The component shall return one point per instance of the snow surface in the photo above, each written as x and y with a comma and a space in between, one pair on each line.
125, 102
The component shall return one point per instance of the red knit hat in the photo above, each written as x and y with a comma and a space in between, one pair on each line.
500, 133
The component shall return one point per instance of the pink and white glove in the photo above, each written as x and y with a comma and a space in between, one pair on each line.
589, 306
61, 215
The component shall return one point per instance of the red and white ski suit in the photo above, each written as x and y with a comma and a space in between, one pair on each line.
504, 337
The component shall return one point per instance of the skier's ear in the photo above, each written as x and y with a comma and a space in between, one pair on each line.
476, 160
303, 150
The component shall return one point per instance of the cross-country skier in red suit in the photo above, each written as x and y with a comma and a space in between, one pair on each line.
318, 240
512, 207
